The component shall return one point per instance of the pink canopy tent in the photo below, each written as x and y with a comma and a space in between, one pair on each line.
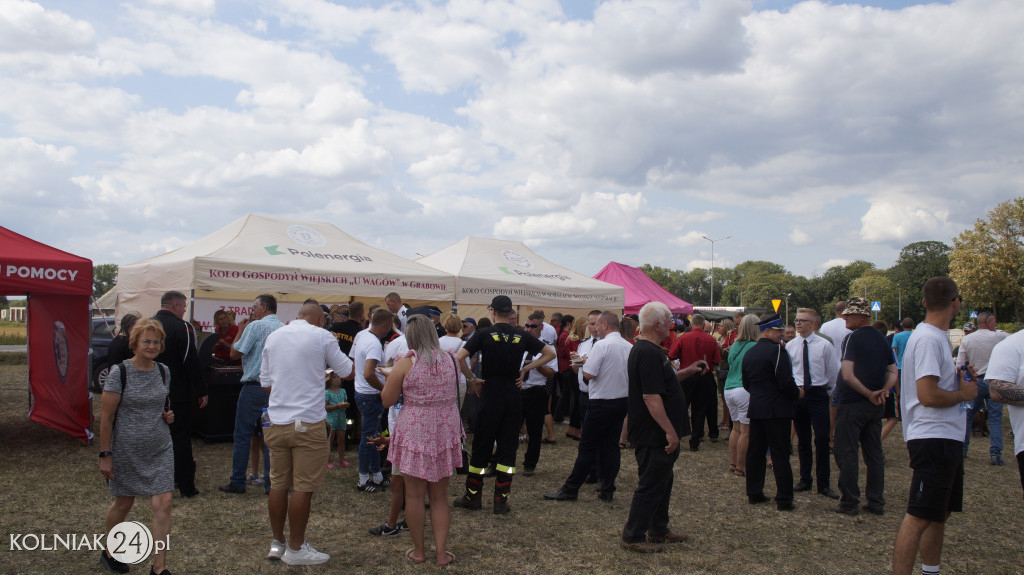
640, 289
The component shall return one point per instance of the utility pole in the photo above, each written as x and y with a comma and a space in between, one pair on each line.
712, 304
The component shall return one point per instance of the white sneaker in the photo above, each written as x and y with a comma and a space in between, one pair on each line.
306, 555
276, 549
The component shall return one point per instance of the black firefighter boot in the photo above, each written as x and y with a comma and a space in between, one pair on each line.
502, 487
471, 499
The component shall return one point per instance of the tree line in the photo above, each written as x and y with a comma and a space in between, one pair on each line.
986, 261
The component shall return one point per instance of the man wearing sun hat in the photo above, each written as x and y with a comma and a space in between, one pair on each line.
867, 373
768, 378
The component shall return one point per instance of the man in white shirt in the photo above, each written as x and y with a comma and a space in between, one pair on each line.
975, 349
1005, 378
292, 371
835, 330
606, 377
396, 307
933, 427
815, 367
535, 397
367, 352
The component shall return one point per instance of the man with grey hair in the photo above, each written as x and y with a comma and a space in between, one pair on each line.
657, 419
975, 349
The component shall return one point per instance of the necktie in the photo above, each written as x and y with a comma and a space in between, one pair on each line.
807, 367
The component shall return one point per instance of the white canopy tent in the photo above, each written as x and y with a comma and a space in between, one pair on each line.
484, 268
291, 259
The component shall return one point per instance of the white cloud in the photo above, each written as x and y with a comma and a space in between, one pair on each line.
203, 7
888, 220
798, 237
27, 26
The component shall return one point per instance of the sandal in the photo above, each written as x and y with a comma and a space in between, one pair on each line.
408, 555
548, 441
331, 466
732, 468
345, 463
740, 473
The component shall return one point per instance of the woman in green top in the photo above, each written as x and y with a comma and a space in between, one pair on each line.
736, 398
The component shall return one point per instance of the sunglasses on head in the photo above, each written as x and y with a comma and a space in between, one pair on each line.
532, 325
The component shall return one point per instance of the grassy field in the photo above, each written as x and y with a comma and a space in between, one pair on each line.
12, 333
50, 484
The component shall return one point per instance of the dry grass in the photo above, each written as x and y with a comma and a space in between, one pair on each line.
50, 484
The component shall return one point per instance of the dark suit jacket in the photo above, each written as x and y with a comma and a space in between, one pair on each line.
181, 357
768, 377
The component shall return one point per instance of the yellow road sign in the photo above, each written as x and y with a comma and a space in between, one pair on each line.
776, 303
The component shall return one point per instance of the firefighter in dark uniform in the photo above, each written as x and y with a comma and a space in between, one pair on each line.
501, 414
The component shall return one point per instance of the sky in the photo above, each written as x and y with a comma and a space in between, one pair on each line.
809, 134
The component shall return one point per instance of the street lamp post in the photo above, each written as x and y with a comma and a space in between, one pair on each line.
787, 308
712, 304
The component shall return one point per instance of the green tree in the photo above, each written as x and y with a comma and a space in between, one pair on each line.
834, 285
986, 260
916, 263
104, 277
878, 287
3, 302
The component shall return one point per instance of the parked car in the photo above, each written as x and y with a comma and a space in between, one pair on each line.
103, 331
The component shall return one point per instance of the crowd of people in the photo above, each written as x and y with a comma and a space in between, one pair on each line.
411, 382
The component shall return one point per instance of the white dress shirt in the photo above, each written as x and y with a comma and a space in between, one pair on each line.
976, 349
294, 359
584, 349
606, 365
824, 361
534, 377
836, 329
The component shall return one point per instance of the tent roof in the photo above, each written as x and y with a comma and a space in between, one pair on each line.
258, 253
640, 289
485, 268
28, 266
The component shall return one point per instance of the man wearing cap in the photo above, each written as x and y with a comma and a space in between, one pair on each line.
252, 400
815, 368
868, 373
768, 378
975, 349
501, 413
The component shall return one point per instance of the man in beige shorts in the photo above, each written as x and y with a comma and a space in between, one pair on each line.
292, 371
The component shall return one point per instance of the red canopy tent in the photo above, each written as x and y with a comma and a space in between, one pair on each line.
640, 289
58, 286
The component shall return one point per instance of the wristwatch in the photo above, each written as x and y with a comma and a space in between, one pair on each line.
106, 454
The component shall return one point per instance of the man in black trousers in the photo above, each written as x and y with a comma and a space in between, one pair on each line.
182, 359
768, 377
657, 419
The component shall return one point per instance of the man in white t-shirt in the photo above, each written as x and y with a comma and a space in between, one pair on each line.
395, 305
1005, 378
975, 349
368, 352
535, 398
933, 427
292, 371
605, 374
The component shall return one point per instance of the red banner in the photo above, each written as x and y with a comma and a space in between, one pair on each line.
58, 328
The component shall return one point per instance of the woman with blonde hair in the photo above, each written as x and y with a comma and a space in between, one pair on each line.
136, 454
426, 444
737, 400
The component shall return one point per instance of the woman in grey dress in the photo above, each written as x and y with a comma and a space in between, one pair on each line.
136, 454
